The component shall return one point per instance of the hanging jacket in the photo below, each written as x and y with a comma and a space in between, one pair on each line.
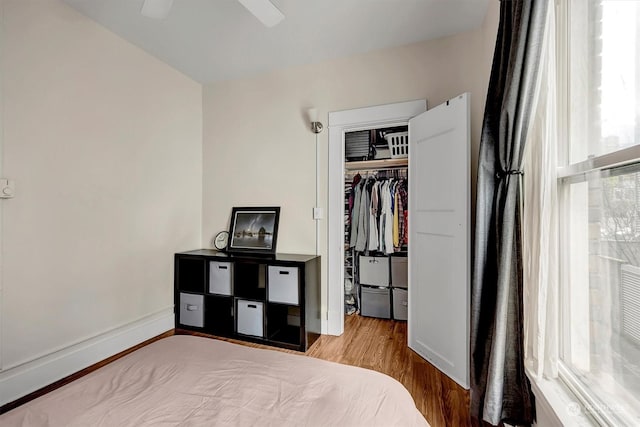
396, 216
387, 220
404, 213
362, 239
355, 214
373, 217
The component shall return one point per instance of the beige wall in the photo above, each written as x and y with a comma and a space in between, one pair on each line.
490, 29
257, 146
488, 34
104, 143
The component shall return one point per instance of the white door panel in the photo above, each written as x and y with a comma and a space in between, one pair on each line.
439, 255
437, 341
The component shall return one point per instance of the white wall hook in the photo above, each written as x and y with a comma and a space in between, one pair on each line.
7, 188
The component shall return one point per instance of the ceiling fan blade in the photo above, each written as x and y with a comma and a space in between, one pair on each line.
156, 9
264, 10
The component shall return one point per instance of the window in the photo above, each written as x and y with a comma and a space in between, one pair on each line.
599, 192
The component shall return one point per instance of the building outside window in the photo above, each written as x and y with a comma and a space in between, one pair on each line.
599, 196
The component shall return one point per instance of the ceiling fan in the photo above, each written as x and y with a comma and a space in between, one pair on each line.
264, 10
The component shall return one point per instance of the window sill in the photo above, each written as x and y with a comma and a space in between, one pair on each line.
556, 405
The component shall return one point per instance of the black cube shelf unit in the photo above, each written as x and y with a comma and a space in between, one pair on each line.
272, 300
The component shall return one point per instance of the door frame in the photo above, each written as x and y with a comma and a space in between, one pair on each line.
388, 115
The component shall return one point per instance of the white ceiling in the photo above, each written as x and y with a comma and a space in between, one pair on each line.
214, 40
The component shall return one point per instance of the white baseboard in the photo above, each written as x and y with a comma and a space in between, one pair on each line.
31, 376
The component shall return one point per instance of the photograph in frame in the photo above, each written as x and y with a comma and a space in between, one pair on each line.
254, 229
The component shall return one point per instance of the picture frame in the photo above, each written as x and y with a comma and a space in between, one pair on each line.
254, 229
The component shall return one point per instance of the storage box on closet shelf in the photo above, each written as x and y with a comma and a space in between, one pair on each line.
398, 144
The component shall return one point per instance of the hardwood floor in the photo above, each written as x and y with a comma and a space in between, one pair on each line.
382, 345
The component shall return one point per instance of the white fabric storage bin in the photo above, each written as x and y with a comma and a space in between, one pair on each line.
220, 274
374, 270
250, 315
400, 304
283, 285
399, 272
376, 302
192, 310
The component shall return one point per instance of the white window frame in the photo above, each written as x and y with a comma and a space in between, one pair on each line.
567, 174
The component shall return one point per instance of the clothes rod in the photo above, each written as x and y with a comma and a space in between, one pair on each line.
381, 164
388, 168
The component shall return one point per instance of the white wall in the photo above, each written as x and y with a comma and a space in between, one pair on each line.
104, 143
257, 146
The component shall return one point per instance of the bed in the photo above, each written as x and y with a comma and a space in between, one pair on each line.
193, 381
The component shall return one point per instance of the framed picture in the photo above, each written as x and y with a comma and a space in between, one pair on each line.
254, 230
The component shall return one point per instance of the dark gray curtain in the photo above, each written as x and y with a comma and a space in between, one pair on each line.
500, 390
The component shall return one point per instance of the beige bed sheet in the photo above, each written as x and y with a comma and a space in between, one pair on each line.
192, 381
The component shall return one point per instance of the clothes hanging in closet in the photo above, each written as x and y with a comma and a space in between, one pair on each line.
362, 228
354, 206
379, 215
351, 192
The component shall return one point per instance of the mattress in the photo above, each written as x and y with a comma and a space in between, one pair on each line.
192, 381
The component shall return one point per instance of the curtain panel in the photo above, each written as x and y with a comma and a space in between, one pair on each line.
540, 222
500, 390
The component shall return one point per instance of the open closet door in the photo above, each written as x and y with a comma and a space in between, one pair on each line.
439, 254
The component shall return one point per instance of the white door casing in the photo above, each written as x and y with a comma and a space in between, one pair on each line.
439, 250
397, 114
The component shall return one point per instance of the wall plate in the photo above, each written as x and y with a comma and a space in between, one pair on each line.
7, 188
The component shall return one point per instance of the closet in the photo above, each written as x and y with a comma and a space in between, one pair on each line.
438, 250
376, 222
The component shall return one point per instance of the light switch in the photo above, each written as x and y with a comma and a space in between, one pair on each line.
7, 188
318, 213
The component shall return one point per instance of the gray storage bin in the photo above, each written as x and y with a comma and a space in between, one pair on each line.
374, 270
250, 318
192, 310
376, 302
399, 272
220, 274
283, 285
400, 304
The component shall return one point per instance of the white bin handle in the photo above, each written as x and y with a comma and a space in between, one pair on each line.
191, 307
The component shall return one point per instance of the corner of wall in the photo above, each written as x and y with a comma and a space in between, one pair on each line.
201, 207
1, 171
19, 381
131, 180
490, 25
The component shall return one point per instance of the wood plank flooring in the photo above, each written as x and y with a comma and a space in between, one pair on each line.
381, 345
